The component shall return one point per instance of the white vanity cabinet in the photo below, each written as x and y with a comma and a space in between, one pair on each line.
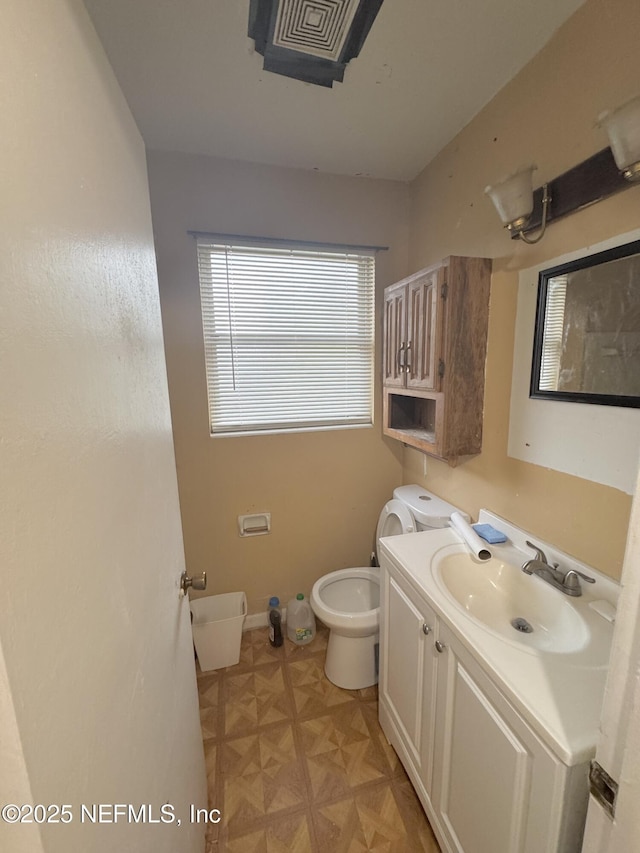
408, 676
485, 779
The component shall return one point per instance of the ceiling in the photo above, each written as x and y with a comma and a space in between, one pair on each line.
195, 83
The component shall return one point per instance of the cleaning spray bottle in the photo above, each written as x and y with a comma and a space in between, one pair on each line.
274, 618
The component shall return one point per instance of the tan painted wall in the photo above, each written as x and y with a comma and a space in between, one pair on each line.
97, 676
545, 115
324, 489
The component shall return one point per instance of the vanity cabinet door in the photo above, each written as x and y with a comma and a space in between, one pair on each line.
408, 678
496, 786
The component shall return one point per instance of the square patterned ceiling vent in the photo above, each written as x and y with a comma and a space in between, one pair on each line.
310, 40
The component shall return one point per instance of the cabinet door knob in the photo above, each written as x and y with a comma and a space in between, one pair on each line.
425, 628
440, 647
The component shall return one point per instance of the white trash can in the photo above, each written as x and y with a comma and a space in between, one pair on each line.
217, 628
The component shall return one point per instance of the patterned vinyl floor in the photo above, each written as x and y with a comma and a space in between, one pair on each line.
297, 765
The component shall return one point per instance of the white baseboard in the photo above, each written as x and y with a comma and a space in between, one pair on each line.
254, 620
259, 620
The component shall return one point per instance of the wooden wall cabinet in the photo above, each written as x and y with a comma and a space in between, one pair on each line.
434, 348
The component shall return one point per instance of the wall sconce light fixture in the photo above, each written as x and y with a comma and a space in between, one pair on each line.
611, 170
513, 199
623, 127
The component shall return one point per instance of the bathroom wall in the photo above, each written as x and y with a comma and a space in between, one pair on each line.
566, 436
323, 489
98, 700
546, 115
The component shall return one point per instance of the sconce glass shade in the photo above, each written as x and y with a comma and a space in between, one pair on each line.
623, 127
513, 198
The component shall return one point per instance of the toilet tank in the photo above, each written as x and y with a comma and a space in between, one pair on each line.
428, 509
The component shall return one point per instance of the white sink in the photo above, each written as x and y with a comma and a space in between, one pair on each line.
555, 675
519, 608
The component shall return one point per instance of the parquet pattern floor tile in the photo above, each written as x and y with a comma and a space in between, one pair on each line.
297, 765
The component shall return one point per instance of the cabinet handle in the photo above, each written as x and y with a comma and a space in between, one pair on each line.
425, 628
407, 361
400, 360
440, 647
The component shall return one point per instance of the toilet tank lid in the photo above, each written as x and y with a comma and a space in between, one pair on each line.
426, 507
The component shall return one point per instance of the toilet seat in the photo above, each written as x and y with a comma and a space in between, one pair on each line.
395, 519
358, 588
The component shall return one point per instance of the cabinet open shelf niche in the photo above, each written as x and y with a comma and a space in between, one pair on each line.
435, 341
411, 418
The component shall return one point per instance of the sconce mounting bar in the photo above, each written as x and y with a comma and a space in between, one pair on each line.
590, 181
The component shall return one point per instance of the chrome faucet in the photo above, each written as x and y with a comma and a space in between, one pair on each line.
567, 582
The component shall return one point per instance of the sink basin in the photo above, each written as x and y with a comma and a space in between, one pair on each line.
519, 608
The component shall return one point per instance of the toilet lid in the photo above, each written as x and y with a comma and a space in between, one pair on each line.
394, 519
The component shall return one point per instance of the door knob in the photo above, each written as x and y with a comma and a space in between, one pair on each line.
440, 647
199, 582
425, 628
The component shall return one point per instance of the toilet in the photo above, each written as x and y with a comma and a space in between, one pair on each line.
348, 600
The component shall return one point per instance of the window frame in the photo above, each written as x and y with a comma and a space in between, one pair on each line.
353, 351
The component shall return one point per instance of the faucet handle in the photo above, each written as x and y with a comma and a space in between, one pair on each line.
540, 555
572, 575
571, 581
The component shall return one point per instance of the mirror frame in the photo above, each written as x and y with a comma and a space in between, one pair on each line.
535, 392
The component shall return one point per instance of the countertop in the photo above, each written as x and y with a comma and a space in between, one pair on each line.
559, 695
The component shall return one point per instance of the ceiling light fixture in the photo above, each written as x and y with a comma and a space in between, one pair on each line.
310, 40
523, 210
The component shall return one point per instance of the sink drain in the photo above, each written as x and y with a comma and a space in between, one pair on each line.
522, 625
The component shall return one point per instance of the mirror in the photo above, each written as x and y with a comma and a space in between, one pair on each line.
587, 334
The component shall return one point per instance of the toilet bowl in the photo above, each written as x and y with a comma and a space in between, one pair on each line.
348, 600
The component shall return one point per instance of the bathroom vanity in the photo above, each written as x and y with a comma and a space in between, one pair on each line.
494, 725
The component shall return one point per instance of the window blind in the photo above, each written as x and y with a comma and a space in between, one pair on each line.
288, 336
552, 339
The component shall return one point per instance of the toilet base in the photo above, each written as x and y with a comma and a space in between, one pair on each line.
351, 661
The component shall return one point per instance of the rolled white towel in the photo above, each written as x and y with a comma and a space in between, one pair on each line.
471, 539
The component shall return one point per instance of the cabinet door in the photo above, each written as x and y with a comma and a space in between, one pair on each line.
394, 336
424, 332
407, 680
496, 786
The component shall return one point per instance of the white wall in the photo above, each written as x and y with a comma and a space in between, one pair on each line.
597, 443
96, 648
14, 778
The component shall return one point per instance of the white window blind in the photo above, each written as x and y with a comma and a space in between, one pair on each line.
288, 335
552, 339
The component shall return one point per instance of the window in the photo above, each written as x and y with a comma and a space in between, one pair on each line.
288, 335
553, 333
